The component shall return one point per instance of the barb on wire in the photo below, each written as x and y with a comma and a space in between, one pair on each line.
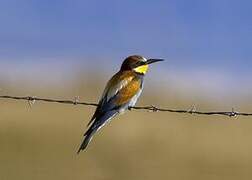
32, 99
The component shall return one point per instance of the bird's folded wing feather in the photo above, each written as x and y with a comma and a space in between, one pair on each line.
119, 90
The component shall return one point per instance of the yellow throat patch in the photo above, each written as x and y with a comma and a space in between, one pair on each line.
141, 69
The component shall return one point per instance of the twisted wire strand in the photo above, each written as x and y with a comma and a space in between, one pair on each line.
32, 99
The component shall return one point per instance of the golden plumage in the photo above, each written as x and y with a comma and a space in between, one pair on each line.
129, 91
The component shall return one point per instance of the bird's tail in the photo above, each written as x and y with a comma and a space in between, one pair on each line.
87, 138
97, 124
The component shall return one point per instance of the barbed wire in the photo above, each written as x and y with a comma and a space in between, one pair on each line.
32, 99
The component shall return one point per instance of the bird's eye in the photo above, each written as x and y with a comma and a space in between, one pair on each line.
139, 63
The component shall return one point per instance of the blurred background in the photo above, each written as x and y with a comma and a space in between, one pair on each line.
62, 49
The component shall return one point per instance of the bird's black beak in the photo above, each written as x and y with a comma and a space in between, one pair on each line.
150, 61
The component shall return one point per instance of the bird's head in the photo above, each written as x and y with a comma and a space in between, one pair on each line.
138, 64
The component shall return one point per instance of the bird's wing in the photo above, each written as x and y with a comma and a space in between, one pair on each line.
125, 94
124, 90
116, 83
119, 90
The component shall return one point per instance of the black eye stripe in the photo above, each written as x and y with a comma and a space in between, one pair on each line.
139, 63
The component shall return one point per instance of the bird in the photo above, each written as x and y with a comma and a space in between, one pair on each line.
121, 92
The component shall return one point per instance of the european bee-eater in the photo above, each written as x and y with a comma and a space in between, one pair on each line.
121, 92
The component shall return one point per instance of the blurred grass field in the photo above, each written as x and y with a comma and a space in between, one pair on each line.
41, 142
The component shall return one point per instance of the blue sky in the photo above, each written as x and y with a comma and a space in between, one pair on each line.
194, 36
